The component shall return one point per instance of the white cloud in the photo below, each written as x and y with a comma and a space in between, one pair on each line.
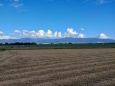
2, 36
81, 36
17, 31
82, 29
1, 5
31, 34
5, 37
1, 33
57, 34
70, 33
49, 34
103, 36
28, 33
25, 32
41, 33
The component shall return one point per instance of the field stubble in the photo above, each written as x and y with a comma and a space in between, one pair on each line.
58, 67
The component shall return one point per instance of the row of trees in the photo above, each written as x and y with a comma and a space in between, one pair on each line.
33, 43
19, 43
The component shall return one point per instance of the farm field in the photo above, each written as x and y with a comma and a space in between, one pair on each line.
58, 67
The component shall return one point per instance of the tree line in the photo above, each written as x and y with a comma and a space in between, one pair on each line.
19, 43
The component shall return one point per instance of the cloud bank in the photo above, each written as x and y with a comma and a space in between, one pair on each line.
70, 32
39, 34
48, 34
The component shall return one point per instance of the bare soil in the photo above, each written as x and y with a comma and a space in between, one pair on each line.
58, 67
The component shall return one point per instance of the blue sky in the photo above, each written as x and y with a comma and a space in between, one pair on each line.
57, 18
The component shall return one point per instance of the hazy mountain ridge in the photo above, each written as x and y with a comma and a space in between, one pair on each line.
61, 40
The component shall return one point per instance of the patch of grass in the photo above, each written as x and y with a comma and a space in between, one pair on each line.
2, 49
58, 46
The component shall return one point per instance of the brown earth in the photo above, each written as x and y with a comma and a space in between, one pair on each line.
58, 67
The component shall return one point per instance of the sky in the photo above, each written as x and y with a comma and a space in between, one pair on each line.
57, 19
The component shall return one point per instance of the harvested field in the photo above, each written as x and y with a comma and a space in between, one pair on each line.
58, 67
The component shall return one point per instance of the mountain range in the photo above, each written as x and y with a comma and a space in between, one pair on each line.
61, 40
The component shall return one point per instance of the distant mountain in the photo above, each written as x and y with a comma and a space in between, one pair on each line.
61, 40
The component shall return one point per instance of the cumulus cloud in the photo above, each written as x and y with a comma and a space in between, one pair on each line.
81, 36
1, 33
17, 31
26, 33
49, 33
41, 33
103, 36
5, 37
2, 36
31, 34
70, 33
57, 34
